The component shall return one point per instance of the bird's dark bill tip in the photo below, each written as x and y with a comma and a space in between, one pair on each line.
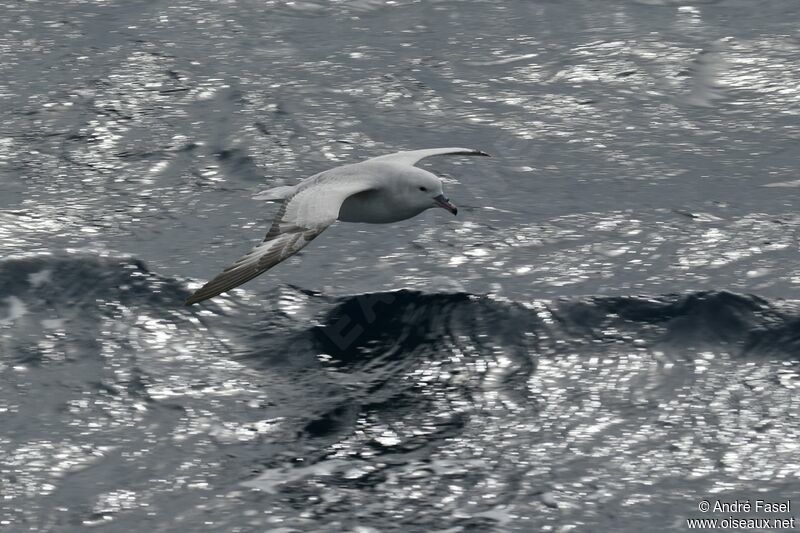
445, 203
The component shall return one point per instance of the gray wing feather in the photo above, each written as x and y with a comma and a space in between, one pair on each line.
414, 156
266, 255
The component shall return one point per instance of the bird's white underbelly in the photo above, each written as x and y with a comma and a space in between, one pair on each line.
373, 209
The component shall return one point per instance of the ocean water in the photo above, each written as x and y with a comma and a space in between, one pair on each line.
607, 335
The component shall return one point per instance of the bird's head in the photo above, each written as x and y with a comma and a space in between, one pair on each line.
424, 190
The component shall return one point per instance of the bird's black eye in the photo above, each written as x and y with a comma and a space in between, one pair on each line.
423, 189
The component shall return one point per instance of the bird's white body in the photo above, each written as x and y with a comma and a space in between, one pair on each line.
380, 190
391, 200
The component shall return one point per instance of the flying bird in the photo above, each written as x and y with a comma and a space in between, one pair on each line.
380, 190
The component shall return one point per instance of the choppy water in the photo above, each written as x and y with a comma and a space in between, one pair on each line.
606, 334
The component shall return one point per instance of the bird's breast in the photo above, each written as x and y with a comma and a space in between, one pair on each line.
374, 207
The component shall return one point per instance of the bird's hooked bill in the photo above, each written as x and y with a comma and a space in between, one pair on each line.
443, 202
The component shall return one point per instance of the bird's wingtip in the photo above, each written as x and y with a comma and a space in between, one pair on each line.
480, 152
195, 297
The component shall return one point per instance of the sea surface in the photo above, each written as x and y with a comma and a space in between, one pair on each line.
605, 336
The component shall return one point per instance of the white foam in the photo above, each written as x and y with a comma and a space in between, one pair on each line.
16, 309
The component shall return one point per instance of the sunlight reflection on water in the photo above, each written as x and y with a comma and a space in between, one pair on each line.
639, 147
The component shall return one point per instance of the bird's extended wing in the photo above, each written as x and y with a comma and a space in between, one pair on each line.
413, 157
301, 218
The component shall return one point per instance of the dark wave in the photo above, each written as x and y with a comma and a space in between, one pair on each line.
398, 322
738, 323
85, 279
392, 325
